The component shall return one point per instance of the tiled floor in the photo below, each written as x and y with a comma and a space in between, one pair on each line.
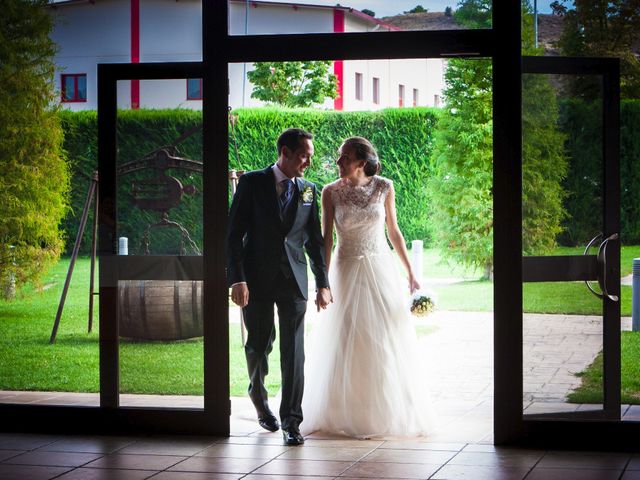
260, 455
460, 448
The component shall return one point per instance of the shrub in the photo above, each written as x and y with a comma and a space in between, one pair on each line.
34, 177
581, 120
402, 136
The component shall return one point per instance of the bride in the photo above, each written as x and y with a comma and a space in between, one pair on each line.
363, 376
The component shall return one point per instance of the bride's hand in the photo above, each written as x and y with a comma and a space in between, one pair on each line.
323, 298
413, 283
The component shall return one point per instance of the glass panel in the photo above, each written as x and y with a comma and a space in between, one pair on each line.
376, 91
33, 369
562, 165
456, 340
69, 87
562, 211
577, 29
82, 87
381, 82
325, 16
562, 359
194, 89
159, 208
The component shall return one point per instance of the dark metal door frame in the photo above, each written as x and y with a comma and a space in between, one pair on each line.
573, 427
501, 44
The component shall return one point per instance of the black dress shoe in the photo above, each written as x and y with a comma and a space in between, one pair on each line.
269, 422
292, 436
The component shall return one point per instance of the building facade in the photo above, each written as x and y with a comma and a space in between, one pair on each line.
89, 32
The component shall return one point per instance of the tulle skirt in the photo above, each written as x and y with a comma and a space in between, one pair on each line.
363, 374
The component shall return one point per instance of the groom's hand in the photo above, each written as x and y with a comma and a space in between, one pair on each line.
323, 298
240, 294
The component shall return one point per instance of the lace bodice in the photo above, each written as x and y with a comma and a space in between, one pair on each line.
359, 216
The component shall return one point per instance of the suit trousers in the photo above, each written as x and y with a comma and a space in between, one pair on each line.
259, 321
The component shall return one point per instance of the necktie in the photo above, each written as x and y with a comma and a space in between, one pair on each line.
286, 196
287, 209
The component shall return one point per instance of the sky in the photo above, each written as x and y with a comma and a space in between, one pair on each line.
385, 8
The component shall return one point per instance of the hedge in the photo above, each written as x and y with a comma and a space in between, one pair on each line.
138, 133
403, 138
582, 121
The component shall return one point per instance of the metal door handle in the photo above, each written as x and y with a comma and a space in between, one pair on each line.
602, 266
602, 262
586, 252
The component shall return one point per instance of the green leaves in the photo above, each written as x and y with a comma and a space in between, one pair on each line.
34, 177
293, 84
595, 28
403, 138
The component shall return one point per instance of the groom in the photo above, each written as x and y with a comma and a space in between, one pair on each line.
273, 217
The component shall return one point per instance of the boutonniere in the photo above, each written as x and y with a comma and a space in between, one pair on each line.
307, 195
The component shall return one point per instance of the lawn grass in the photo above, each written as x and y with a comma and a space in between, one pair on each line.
570, 298
29, 362
590, 391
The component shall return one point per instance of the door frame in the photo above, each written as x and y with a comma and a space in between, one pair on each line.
599, 429
501, 44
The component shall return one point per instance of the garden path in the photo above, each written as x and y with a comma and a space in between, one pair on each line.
458, 361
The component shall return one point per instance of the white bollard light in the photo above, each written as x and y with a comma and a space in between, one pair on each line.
416, 259
123, 246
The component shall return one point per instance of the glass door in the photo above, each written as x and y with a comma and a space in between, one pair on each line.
570, 239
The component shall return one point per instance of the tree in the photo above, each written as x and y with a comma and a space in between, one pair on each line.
371, 13
293, 84
448, 12
462, 162
417, 9
34, 177
599, 28
474, 13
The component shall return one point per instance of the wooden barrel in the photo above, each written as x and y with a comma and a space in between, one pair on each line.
160, 309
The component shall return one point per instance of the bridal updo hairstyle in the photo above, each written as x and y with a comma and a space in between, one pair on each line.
364, 151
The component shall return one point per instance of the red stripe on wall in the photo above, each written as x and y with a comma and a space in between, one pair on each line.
135, 51
338, 71
338, 66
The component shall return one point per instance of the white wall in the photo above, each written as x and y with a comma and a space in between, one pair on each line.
166, 94
278, 19
170, 30
425, 75
85, 39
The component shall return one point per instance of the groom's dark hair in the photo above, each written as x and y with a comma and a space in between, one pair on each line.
291, 137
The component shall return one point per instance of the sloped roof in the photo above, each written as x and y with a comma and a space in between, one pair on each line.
346, 9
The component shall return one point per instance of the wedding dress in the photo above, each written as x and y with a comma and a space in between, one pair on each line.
363, 376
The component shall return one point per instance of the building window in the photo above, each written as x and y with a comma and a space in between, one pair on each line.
401, 95
194, 89
436, 101
358, 86
74, 87
376, 90
416, 97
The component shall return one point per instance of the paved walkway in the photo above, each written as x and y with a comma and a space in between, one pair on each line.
458, 361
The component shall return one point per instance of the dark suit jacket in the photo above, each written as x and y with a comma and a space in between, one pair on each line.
257, 235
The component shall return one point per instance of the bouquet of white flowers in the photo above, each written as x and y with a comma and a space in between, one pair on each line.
423, 302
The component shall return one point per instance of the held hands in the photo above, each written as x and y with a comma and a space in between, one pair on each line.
413, 283
240, 294
323, 298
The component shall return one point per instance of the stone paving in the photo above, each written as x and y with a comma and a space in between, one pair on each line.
458, 362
